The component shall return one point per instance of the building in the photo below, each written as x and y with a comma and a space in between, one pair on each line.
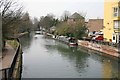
52, 29
76, 17
112, 21
95, 25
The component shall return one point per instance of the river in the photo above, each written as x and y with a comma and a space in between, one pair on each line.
47, 58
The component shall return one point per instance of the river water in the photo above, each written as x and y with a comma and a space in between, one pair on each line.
46, 58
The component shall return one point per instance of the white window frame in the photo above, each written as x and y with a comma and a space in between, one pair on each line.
116, 24
116, 11
114, 40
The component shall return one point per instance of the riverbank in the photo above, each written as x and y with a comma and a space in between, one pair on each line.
11, 59
101, 48
112, 51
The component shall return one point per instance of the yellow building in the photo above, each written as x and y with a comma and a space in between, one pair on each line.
112, 20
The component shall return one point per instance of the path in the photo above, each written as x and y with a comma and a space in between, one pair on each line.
8, 56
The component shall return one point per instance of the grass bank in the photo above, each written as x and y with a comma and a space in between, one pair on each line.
13, 43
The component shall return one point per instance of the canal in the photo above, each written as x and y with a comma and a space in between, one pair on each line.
46, 58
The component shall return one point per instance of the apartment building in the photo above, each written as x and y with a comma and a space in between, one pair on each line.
111, 27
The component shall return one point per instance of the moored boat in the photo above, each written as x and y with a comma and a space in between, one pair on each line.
38, 32
73, 42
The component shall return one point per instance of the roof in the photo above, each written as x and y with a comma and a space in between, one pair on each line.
76, 16
95, 24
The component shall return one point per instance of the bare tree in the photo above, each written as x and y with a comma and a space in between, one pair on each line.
65, 15
26, 23
36, 24
47, 21
11, 13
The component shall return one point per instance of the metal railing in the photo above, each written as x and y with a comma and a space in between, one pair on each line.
13, 63
7, 74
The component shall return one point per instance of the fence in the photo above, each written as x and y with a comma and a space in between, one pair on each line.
7, 74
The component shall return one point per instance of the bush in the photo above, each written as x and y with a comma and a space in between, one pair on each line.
77, 29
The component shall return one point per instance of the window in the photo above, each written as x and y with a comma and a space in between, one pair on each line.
116, 11
113, 37
117, 24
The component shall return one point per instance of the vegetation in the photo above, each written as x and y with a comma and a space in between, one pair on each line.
75, 28
71, 30
11, 16
26, 23
48, 21
36, 25
65, 16
14, 21
13, 43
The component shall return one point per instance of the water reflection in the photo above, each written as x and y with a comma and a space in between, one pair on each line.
110, 64
57, 60
81, 60
26, 40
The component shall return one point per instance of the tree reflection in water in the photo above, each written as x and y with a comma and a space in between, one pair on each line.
79, 58
74, 61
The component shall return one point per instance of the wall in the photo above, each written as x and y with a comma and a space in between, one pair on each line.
101, 48
95, 25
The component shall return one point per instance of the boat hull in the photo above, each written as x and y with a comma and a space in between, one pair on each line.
73, 44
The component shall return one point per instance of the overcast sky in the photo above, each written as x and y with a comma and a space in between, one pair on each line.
37, 8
